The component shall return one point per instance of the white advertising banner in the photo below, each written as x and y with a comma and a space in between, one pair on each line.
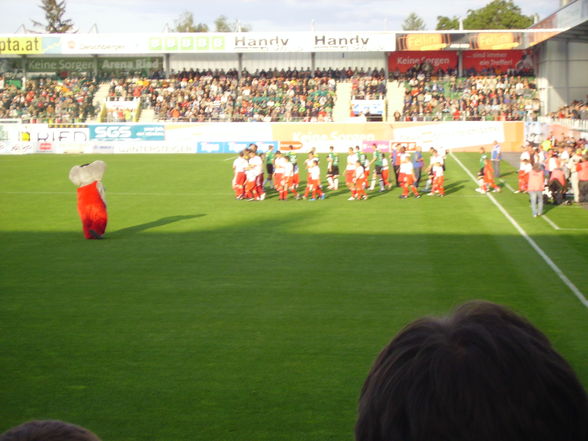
217, 42
211, 132
454, 135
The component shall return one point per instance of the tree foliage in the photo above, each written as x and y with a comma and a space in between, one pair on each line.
446, 23
413, 23
185, 23
498, 14
222, 24
54, 14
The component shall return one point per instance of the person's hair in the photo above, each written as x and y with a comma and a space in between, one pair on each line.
482, 373
48, 430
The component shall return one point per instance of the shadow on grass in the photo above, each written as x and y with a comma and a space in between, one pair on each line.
158, 223
455, 186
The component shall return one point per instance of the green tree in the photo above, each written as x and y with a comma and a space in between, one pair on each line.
222, 24
54, 14
446, 23
498, 14
413, 23
185, 23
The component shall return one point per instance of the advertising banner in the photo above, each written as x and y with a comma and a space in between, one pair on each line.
108, 44
29, 45
439, 60
205, 138
498, 61
127, 132
370, 146
454, 135
76, 64
365, 107
213, 42
212, 132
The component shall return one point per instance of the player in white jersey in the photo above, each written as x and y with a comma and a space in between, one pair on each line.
256, 164
279, 161
287, 178
406, 174
239, 167
352, 159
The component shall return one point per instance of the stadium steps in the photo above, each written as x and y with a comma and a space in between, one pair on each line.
395, 99
342, 108
147, 115
100, 97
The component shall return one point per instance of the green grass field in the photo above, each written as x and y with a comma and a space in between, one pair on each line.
200, 317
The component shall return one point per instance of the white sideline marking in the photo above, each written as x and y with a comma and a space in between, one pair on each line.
507, 185
533, 244
556, 227
550, 222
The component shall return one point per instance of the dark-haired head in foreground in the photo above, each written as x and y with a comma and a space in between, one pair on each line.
48, 430
482, 373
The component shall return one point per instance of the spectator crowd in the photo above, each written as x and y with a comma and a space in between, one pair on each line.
279, 95
48, 100
446, 97
576, 110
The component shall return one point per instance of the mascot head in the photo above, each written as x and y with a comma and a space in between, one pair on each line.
85, 174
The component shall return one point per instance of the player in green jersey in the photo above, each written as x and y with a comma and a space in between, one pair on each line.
377, 161
269, 166
332, 169
296, 172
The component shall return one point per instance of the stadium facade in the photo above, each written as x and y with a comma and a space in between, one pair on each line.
555, 50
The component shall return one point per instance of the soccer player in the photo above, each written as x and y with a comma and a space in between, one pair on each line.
364, 161
308, 164
386, 172
314, 181
350, 168
278, 170
438, 180
332, 169
256, 164
483, 157
239, 167
296, 172
377, 161
487, 181
286, 183
252, 184
406, 174
269, 166
524, 168
359, 183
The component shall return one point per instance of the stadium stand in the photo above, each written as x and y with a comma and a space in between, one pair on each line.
276, 95
48, 100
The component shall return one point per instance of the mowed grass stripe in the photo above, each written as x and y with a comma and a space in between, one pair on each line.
209, 318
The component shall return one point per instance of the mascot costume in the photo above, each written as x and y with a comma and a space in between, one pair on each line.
91, 198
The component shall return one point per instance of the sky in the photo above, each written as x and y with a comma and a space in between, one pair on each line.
134, 16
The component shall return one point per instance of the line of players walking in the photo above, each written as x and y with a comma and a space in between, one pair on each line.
283, 173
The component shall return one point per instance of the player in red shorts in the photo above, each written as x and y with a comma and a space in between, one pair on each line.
406, 176
287, 183
438, 180
350, 168
239, 166
359, 183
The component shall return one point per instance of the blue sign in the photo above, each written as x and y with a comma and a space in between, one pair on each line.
127, 132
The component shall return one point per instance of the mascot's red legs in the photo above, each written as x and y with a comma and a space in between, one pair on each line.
91, 198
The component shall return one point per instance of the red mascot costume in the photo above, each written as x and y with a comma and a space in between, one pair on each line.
91, 198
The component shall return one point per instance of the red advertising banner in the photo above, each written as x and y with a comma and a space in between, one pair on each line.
403, 61
497, 61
